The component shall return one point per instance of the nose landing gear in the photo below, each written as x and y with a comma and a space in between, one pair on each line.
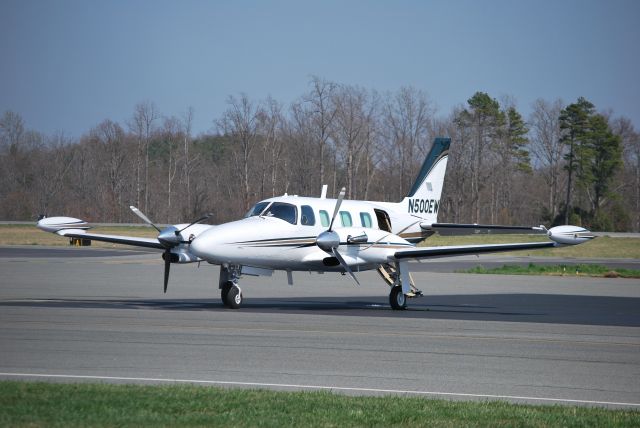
230, 292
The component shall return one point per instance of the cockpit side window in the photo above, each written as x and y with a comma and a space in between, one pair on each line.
307, 218
256, 209
286, 212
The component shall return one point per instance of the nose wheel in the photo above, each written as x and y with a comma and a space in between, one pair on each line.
231, 295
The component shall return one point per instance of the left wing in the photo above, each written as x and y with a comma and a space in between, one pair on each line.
559, 235
454, 229
462, 250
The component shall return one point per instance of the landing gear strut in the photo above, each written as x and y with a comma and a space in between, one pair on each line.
230, 293
402, 286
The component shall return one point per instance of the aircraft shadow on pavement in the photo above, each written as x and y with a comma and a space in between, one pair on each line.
534, 308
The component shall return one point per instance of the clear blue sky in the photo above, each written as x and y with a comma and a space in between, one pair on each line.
68, 65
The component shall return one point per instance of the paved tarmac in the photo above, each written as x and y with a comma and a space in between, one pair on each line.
525, 339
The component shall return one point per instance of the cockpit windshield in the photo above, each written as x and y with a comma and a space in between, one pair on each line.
256, 209
286, 212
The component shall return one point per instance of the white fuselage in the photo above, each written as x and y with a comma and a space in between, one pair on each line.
289, 241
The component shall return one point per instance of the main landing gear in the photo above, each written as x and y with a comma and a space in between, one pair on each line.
397, 296
230, 292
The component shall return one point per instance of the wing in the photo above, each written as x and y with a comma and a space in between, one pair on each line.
449, 229
462, 250
76, 228
115, 239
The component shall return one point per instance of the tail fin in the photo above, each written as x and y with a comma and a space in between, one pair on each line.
423, 199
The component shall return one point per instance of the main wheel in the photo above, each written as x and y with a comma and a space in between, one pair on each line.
397, 298
234, 297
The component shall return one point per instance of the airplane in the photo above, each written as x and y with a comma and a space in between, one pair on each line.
311, 234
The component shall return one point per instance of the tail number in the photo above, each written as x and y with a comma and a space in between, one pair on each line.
424, 205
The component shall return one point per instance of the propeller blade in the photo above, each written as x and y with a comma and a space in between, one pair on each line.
344, 264
167, 267
144, 218
337, 208
203, 218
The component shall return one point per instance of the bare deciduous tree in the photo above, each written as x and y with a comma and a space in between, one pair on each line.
372, 145
143, 125
240, 122
323, 112
547, 149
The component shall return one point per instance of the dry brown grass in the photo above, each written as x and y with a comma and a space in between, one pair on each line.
31, 235
602, 247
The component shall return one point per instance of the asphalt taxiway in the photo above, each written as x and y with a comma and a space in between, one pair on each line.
100, 315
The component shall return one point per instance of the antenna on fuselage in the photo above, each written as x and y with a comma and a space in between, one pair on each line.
323, 193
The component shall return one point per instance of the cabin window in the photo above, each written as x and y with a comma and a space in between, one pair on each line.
307, 218
324, 218
256, 209
365, 219
286, 212
345, 219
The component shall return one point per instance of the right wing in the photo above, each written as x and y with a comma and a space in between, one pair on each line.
115, 239
75, 228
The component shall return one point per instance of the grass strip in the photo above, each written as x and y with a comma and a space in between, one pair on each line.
559, 270
36, 404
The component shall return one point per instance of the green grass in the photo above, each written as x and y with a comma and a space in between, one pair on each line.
46, 404
568, 270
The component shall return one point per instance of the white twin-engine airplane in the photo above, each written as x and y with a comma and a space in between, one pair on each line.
294, 233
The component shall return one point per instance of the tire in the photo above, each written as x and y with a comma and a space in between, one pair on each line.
224, 291
397, 299
234, 297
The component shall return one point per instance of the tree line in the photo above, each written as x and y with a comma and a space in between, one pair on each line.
563, 164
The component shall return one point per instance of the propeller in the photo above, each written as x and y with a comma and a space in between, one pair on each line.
329, 240
201, 219
144, 218
167, 267
169, 237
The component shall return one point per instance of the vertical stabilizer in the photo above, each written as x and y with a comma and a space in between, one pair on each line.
423, 199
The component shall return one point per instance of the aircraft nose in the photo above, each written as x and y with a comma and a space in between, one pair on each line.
199, 246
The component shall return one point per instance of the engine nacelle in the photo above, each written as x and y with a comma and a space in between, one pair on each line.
180, 256
55, 224
569, 235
